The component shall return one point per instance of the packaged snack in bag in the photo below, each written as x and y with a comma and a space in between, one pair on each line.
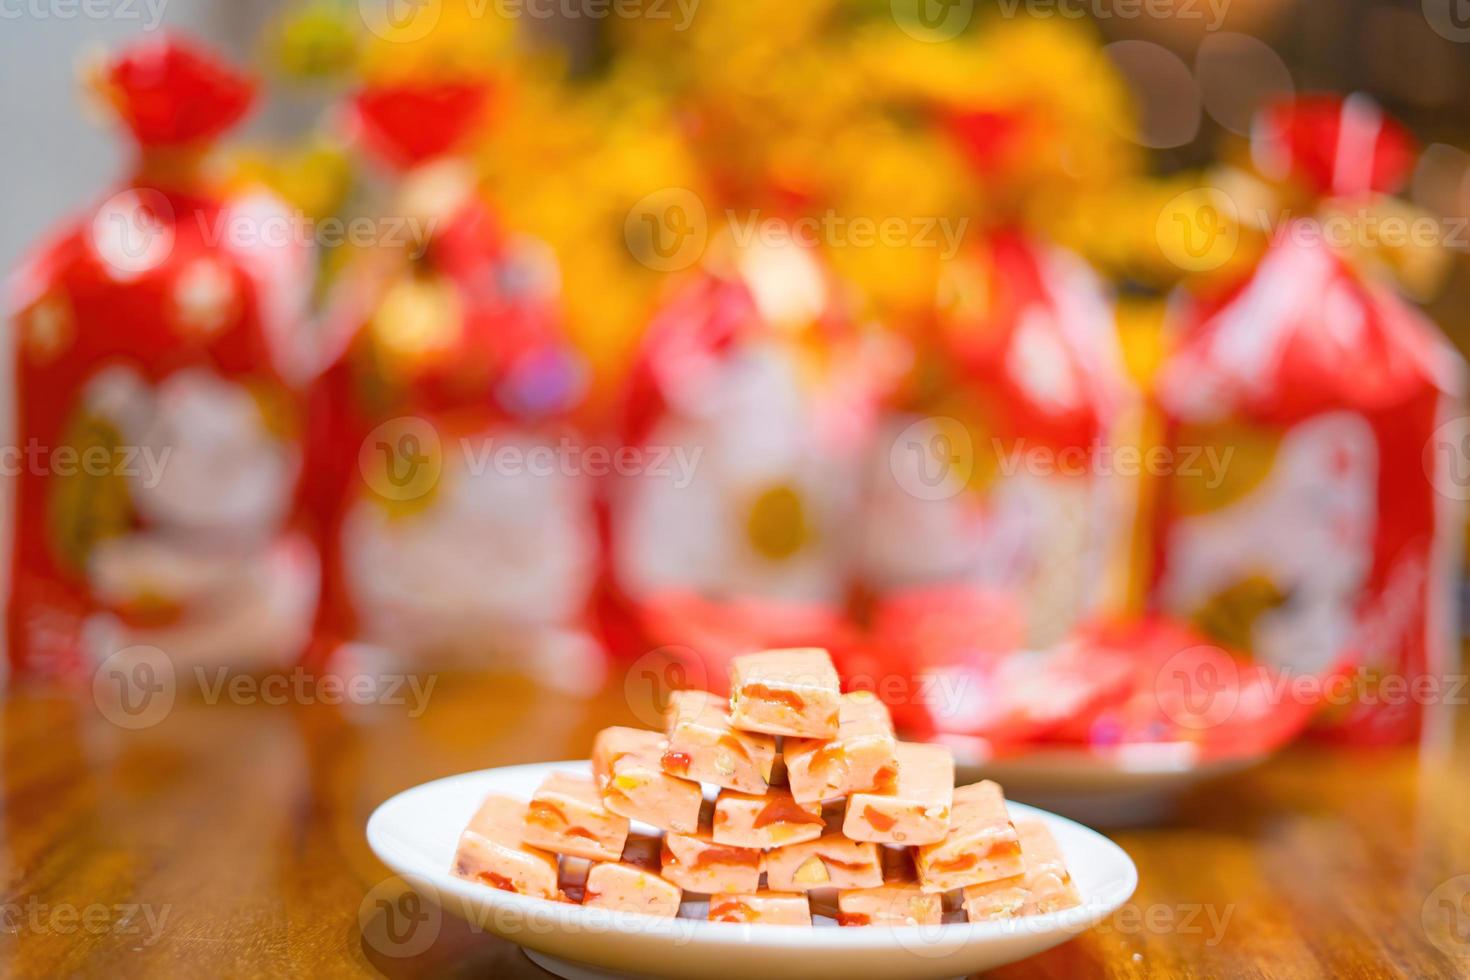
1323, 537
1006, 469
157, 365
751, 404
1005, 474
450, 483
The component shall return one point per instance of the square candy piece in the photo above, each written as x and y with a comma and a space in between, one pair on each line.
785, 692
897, 902
567, 816
766, 907
626, 762
860, 759
1044, 885
981, 846
696, 863
830, 861
704, 746
917, 811
626, 887
900, 903
771, 820
492, 851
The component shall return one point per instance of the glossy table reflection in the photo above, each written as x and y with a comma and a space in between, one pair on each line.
226, 840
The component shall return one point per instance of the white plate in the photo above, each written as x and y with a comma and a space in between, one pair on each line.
1128, 786
415, 833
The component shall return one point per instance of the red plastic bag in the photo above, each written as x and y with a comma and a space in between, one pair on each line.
1328, 534
157, 362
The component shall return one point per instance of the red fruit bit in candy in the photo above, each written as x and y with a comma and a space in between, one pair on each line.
740, 856
853, 919
732, 912
962, 863
735, 745
885, 781
880, 821
497, 881
545, 813
791, 699
785, 810
676, 762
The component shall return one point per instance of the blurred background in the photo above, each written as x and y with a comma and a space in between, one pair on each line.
1006, 341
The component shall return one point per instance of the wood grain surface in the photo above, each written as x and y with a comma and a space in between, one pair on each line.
224, 838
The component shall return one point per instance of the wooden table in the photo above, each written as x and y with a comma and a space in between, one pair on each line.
226, 839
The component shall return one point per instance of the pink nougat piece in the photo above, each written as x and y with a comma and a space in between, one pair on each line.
917, 811
981, 845
633, 884
696, 863
830, 861
703, 745
567, 816
626, 764
785, 692
1044, 885
770, 820
899, 901
862, 758
492, 851
766, 907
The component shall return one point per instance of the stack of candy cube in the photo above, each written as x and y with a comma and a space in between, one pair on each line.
861, 827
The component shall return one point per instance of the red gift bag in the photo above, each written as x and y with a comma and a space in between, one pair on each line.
158, 419
1328, 534
452, 489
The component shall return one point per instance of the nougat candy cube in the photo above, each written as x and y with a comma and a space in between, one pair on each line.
918, 809
898, 904
492, 850
830, 861
899, 901
982, 845
696, 863
704, 745
765, 907
566, 815
1044, 884
631, 887
627, 765
862, 758
773, 819
785, 692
